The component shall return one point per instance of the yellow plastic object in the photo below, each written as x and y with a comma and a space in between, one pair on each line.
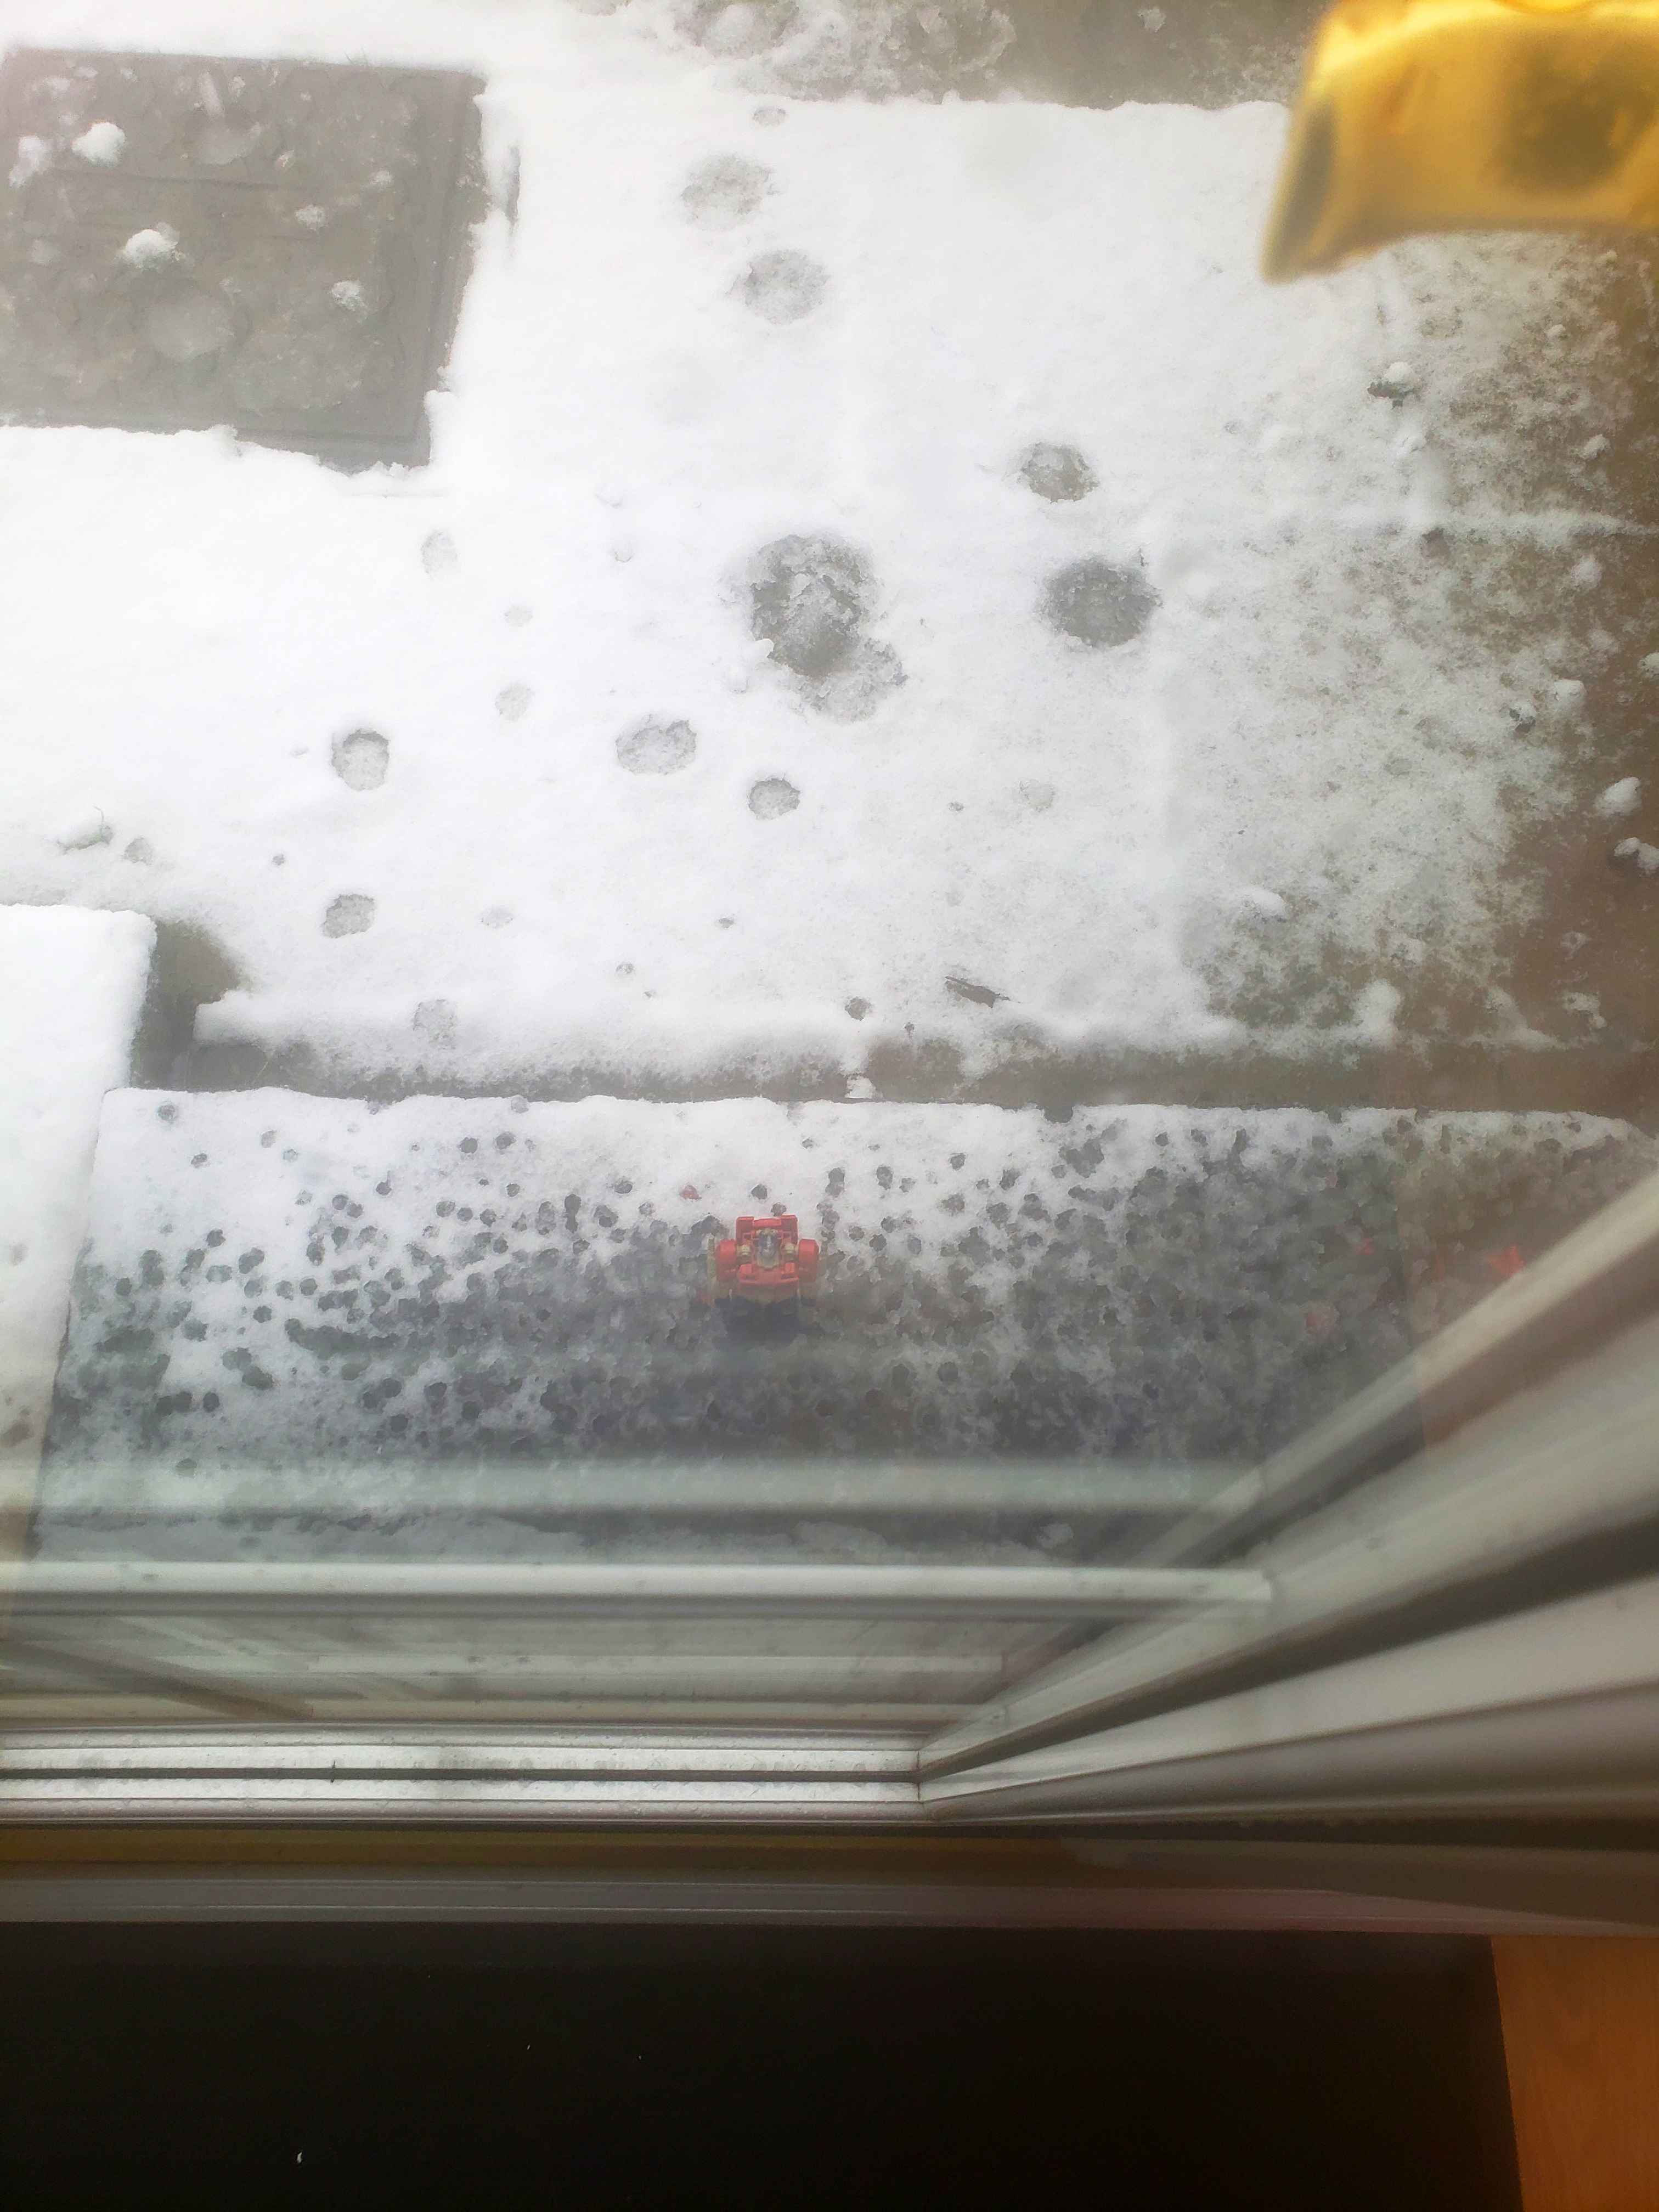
1425, 115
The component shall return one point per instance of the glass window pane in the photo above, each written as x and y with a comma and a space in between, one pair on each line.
755, 825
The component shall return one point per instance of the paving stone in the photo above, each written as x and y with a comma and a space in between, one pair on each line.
272, 244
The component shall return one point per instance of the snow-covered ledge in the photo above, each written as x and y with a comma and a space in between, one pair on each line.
72, 987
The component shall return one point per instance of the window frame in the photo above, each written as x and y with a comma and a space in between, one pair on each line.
1464, 1625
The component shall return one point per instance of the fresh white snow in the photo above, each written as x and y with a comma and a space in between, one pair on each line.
87, 830
102, 144
33, 156
71, 987
1620, 799
146, 248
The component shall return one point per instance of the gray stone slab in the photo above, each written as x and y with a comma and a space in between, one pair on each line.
271, 245
311, 1317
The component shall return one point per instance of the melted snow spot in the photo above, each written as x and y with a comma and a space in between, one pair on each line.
361, 759
784, 286
1098, 603
724, 190
438, 553
772, 796
657, 748
1057, 473
852, 692
809, 598
348, 916
513, 702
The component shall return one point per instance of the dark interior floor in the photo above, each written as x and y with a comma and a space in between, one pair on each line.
774, 2066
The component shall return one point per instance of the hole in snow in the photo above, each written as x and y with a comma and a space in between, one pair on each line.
361, 759
1098, 603
514, 703
724, 191
772, 796
1057, 473
782, 286
657, 748
348, 916
809, 595
852, 692
438, 552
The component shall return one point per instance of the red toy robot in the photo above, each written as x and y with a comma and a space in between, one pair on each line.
765, 1262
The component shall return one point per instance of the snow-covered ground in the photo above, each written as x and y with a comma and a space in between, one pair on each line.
71, 987
889, 574
304, 1324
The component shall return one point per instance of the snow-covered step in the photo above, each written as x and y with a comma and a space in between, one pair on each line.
71, 990
305, 1327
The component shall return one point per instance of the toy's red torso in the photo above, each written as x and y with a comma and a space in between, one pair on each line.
764, 1261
